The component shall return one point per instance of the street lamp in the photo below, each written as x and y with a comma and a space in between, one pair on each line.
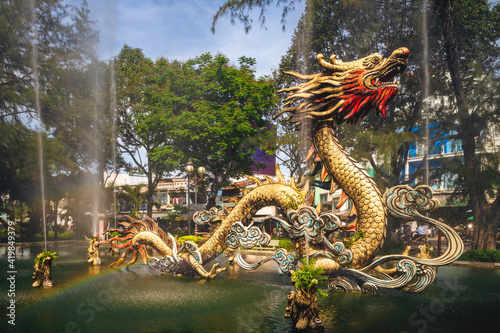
189, 170
115, 191
5, 197
196, 179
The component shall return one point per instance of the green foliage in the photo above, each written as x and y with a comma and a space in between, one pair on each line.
133, 196
286, 243
113, 234
143, 121
240, 10
481, 256
349, 241
294, 200
44, 255
191, 238
308, 275
62, 34
177, 211
210, 111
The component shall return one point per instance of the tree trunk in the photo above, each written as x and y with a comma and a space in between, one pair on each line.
484, 227
56, 206
21, 219
149, 194
213, 196
149, 200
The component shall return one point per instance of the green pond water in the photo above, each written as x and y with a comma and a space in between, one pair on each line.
139, 299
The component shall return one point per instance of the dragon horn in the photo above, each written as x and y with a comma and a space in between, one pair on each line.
402, 52
337, 65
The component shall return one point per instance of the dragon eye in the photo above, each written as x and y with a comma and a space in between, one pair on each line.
376, 59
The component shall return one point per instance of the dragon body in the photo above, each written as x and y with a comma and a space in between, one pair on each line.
342, 93
346, 92
360, 187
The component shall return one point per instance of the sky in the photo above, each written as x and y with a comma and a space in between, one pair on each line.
180, 30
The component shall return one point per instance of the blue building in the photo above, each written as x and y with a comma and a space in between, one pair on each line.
442, 150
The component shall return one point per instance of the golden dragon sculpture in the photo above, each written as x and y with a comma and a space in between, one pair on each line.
343, 93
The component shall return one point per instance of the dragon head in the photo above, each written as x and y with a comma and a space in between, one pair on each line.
346, 91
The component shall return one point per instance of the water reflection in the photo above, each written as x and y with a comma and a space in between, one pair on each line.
140, 299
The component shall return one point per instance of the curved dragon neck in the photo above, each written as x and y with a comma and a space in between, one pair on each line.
359, 186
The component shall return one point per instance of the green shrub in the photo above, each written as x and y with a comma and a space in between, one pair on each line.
481, 256
349, 241
45, 254
305, 276
60, 235
191, 238
113, 234
286, 243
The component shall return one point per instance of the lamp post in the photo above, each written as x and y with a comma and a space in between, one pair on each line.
115, 191
189, 170
4, 197
195, 179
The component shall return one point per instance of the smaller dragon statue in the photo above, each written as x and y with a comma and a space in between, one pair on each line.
93, 251
126, 232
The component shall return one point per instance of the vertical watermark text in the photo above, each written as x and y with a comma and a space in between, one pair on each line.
11, 272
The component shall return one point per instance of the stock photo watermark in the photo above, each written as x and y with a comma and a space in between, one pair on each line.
88, 309
254, 320
424, 316
11, 273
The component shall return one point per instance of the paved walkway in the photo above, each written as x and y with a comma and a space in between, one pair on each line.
42, 243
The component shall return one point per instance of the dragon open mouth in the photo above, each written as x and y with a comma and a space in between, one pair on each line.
386, 77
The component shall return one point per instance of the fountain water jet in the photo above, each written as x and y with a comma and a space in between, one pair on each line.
36, 86
425, 65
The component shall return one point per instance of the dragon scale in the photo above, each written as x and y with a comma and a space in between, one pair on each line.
358, 186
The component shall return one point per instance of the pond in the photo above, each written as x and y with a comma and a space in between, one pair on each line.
139, 299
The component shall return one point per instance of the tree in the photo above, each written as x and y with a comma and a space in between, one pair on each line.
19, 167
64, 40
56, 29
143, 126
470, 42
291, 153
133, 197
463, 56
222, 118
